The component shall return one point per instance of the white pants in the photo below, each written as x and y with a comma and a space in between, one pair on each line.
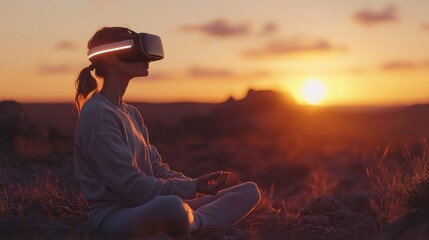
174, 216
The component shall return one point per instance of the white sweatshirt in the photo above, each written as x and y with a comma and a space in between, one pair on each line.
115, 163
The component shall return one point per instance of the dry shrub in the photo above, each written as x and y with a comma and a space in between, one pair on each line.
385, 177
400, 182
415, 189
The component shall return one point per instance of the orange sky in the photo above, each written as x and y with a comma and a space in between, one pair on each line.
365, 52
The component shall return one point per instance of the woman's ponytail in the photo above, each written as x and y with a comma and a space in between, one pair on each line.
85, 85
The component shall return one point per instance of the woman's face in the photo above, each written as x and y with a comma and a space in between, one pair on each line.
131, 70
139, 69
116, 68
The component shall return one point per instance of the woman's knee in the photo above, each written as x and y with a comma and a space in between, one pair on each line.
175, 213
252, 191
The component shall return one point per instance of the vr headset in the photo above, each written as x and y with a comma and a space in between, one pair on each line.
139, 48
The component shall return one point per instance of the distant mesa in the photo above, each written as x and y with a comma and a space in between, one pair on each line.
260, 109
418, 108
269, 95
230, 99
258, 101
266, 96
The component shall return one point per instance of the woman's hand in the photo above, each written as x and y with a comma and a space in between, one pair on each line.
213, 182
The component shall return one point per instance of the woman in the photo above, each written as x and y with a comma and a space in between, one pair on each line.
132, 193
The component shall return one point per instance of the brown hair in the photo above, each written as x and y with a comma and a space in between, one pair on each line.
85, 83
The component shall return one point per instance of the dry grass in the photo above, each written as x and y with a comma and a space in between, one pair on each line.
321, 182
271, 202
48, 200
277, 216
289, 178
400, 181
415, 189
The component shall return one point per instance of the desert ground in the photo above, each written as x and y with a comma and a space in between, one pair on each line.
323, 172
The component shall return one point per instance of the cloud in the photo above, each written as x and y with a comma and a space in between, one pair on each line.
425, 26
269, 28
66, 45
206, 72
404, 65
223, 28
370, 17
399, 65
219, 28
290, 47
55, 69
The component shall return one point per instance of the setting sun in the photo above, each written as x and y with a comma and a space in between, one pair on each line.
313, 91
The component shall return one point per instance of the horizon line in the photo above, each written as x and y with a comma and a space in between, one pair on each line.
392, 105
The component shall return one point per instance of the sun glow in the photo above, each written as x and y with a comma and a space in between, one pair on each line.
313, 91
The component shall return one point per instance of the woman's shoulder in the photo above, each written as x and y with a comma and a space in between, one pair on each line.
94, 106
134, 112
96, 112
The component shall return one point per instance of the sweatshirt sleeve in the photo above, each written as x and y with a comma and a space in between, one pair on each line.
114, 163
162, 170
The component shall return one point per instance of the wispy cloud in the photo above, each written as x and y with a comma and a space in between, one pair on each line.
66, 45
399, 65
290, 47
59, 68
222, 73
269, 28
222, 28
219, 28
371, 17
196, 72
404, 65
425, 26
55, 69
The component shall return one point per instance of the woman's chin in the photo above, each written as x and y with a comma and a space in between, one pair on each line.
144, 74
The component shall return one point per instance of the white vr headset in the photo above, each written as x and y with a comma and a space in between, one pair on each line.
140, 47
